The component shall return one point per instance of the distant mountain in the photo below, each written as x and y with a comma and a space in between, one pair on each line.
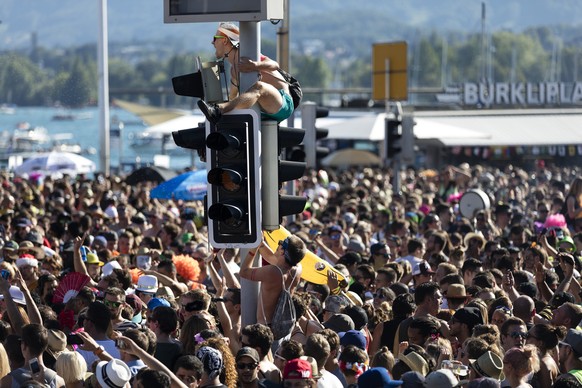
340, 23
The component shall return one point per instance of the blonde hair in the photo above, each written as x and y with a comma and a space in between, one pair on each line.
4, 364
71, 367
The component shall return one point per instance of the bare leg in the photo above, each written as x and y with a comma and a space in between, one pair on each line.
266, 95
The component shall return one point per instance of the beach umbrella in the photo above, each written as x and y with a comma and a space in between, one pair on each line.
52, 163
190, 186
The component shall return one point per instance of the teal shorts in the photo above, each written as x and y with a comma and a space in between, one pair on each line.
286, 109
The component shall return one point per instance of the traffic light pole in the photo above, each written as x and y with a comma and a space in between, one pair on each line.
270, 175
250, 44
308, 116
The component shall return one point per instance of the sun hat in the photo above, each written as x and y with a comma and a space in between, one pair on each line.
92, 258
456, 291
147, 283
113, 374
26, 247
474, 235
57, 342
415, 362
377, 377
489, 365
442, 378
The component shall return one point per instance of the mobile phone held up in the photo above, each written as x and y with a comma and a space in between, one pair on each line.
74, 339
34, 366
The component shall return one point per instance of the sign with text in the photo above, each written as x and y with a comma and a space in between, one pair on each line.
389, 71
195, 11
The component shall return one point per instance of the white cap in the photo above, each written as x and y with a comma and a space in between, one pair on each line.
109, 267
17, 295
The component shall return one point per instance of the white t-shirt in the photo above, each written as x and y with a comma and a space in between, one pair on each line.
90, 358
328, 380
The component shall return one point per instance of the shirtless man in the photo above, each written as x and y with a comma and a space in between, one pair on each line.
285, 262
271, 91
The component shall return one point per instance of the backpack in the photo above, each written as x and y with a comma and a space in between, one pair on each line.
294, 88
284, 317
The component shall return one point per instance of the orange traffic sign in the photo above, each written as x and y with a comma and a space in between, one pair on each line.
390, 71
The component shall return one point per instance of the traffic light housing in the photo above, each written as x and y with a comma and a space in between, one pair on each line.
233, 200
276, 171
393, 136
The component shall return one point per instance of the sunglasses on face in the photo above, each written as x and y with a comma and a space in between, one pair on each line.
243, 365
518, 334
109, 303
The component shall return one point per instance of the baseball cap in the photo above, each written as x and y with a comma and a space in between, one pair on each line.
353, 337
422, 268
297, 369
339, 323
470, 316
156, 302
248, 352
377, 377
574, 339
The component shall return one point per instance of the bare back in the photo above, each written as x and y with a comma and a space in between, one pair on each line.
271, 288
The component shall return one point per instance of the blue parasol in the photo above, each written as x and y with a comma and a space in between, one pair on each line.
190, 186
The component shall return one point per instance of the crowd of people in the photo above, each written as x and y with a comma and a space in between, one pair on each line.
102, 286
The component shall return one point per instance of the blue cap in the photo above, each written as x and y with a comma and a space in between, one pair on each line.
353, 337
156, 302
377, 377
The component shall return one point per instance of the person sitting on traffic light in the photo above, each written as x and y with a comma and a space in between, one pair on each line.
271, 91
285, 262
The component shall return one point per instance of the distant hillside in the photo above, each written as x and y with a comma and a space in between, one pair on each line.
342, 23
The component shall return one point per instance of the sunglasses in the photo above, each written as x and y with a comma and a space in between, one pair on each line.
109, 303
243, 365
518, 334
380, 296
217, 37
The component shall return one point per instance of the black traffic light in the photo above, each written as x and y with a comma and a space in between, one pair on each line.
193, 139
234, 198
393, 136
277, 171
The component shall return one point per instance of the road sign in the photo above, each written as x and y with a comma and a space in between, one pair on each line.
193, 11
389, 71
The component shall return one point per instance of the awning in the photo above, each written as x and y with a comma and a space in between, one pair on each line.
150, 115
515, 127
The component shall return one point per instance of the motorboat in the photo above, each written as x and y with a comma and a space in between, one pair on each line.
27, 138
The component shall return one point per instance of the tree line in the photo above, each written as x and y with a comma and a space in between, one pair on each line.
69, 77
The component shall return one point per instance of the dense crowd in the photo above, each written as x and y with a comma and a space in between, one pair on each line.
102, 286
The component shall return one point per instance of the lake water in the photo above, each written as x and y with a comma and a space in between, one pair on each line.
84, 131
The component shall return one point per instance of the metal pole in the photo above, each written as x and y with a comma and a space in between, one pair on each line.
250, 45
308, 113
103, 70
